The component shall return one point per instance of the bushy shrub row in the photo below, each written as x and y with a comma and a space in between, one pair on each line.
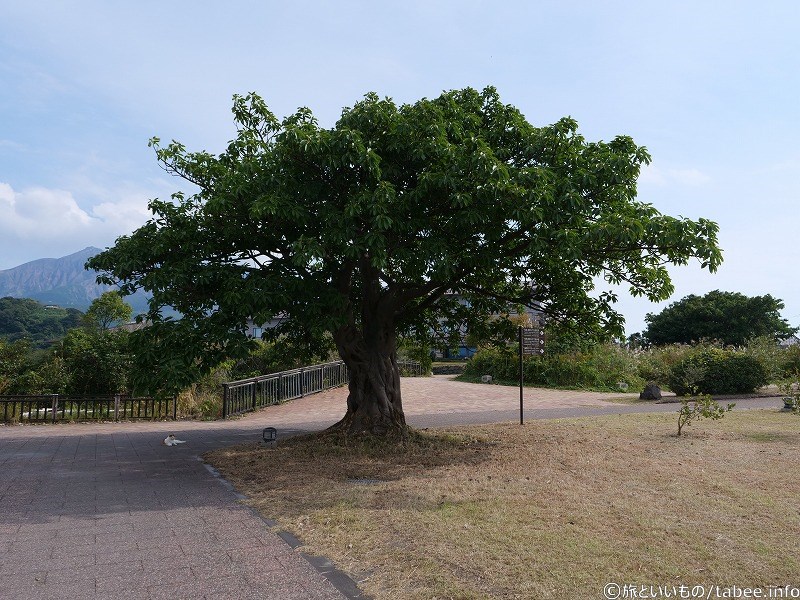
684, 369
601, 367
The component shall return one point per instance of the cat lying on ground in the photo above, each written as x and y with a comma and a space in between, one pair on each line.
170, 440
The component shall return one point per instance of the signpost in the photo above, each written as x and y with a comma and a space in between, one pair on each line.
531, 343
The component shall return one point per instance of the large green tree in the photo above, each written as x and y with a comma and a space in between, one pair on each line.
393, 220
728, 317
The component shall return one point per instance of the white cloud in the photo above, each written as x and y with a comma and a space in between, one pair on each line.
41, 222
40, 211
653, 175
123, 215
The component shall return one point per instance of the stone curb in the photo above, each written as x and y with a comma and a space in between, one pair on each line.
339, 579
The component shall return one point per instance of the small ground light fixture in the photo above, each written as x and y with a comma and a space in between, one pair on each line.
270, 436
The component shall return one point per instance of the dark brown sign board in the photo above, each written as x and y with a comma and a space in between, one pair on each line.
532, 341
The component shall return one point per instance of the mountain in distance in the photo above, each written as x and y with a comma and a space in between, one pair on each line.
61, 281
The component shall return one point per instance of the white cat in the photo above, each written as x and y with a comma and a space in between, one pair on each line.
170, 440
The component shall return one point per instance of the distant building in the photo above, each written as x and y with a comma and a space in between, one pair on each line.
130, 327
256, 330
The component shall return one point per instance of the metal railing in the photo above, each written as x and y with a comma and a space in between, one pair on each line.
238, 397
246, 395
52, 408
410, 368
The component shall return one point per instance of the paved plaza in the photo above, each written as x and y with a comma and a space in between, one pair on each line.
107, 511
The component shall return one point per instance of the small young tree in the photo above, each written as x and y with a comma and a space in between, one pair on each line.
697, 407
700, 407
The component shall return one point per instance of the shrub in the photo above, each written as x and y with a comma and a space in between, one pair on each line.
500, 363
571, 370
771, 356
717, 371
416, 351
602, 367
203, 399
790, 361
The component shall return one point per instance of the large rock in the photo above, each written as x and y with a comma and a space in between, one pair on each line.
651, 392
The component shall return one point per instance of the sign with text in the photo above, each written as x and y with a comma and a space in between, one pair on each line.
532, 341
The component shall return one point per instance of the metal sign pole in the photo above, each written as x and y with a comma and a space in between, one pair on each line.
521, 378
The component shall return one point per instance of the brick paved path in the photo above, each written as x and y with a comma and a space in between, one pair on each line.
106, 511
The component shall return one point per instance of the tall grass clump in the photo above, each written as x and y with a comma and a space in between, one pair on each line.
203, 399
655, 364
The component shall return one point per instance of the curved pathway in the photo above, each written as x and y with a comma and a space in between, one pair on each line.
107, 511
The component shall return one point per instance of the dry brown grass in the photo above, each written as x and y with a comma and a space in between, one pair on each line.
554, 509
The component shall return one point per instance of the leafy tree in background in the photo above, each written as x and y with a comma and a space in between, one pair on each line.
729, 317
106, 311
369, 229
13, 356
95, 363
96, 358
90, 359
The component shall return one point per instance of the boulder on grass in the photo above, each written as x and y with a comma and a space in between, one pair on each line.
651, 392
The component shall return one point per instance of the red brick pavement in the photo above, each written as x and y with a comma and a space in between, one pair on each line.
425, 398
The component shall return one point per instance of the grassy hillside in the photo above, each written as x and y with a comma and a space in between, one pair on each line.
23, 318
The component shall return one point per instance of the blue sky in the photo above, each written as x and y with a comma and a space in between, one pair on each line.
710, 88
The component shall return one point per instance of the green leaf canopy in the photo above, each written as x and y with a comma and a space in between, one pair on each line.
728, 317
373, 224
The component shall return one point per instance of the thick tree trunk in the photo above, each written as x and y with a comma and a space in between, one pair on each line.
374, 404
